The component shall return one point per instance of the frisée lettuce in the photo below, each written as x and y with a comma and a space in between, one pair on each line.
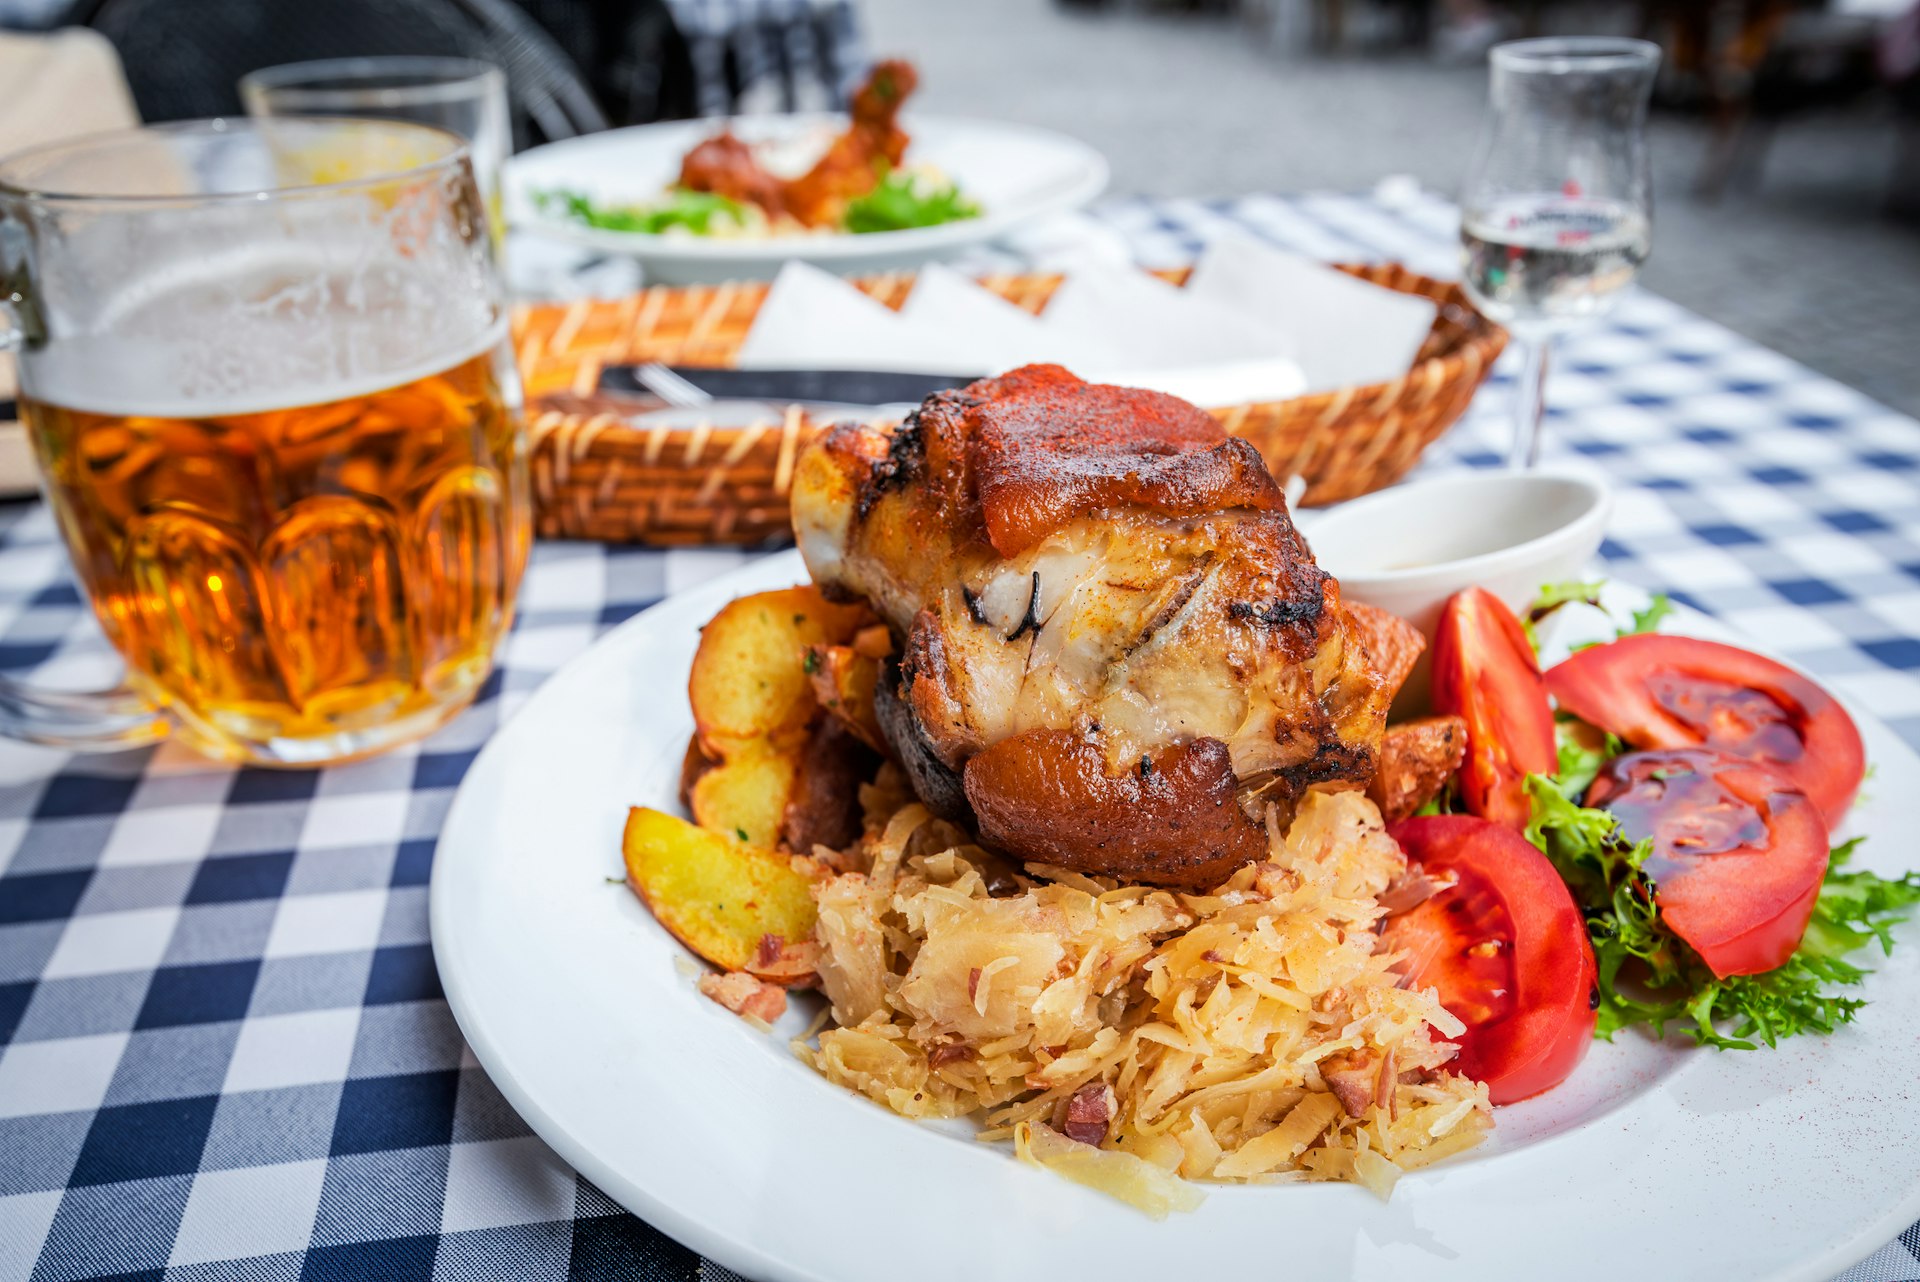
1670, 985
1647, 974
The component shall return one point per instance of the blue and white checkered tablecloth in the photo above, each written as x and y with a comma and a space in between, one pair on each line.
223, 1048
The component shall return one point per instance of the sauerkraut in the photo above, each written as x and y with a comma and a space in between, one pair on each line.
1254, 1033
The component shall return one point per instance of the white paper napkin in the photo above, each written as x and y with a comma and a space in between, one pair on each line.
1150, 324
1343, 331
948, 325
982, 324
812, 319
1253, 324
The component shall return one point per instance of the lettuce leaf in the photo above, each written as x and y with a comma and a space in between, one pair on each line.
1647, 975
901, 200
1554, 595
1648, 620
695, 211
1584, 751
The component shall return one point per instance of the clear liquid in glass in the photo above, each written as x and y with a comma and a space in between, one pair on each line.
1543, 262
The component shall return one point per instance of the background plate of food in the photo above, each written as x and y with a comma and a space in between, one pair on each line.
710, 200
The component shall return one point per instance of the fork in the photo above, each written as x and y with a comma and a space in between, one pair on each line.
669, 386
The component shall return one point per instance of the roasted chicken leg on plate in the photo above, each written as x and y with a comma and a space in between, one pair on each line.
852, 165
1115, 651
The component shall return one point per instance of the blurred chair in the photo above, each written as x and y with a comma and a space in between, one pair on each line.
1754, 65
631, 52
754, 56
184, 57
1327, 26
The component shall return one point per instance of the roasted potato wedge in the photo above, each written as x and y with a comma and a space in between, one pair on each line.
1416, 760
843, 681
747, 795
718, 896
692, 766
823, 807
1393, 644
749, 676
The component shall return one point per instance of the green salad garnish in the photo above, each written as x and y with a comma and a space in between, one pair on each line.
1670, 984
1554, 595
901, 201
1647, 974
696, 211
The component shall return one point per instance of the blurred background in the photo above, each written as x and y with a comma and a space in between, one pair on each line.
1786, 137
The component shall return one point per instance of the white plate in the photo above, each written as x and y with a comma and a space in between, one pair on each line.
1015, 173
1651, 1162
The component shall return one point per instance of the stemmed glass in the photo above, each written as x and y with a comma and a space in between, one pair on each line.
1557, 216
465, 97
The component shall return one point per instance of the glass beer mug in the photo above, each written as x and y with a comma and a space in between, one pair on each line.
265, 369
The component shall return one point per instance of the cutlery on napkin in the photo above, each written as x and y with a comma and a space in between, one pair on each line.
1252, 324
847, 387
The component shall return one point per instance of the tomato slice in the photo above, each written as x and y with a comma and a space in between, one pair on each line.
1738, 852
1659, 691
1506, 948
1484, 671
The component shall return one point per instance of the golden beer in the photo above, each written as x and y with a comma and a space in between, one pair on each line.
311, 582
280, 425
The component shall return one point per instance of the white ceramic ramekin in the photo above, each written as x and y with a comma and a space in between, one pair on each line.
1408, 548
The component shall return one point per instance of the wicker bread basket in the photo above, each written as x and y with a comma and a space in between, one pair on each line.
595, 476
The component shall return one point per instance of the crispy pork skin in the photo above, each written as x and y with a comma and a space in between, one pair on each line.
1111, 638
1173, 818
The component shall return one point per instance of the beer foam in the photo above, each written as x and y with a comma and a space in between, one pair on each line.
129, 378
263, 328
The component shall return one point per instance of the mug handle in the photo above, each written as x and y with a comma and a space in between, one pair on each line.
84, 721
103, 721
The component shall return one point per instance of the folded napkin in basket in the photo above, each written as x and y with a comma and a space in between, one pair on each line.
1252, 324
1344, 331
811, 318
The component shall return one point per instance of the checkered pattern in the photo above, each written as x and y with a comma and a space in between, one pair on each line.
753, 56
223, 1048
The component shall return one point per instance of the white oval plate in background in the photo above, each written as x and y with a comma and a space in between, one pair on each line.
1015, 173
1651, 1162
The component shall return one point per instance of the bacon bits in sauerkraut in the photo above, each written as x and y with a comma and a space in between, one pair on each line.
1253, 1033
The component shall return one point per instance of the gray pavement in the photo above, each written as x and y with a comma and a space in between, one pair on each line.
1214, 106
